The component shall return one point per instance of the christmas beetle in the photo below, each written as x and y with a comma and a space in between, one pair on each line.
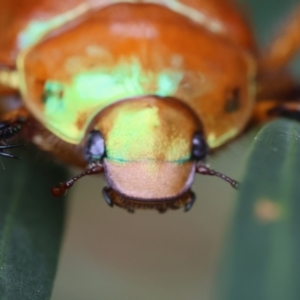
139, 90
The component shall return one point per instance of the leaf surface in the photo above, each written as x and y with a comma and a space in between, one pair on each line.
31, 226
262, 261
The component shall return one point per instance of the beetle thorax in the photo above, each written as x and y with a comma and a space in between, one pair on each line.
115, 53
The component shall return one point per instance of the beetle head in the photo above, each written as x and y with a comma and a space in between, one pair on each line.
148, 147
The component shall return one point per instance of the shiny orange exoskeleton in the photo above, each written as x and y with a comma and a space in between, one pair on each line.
139, 90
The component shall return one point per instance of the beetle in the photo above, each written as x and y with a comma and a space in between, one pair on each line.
139, 90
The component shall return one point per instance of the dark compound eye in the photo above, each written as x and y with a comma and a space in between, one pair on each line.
95, 147
199, 146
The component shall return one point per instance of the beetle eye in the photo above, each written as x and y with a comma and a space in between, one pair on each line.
199, 147
95, 147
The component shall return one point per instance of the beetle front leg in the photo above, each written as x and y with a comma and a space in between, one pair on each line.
9, 129
284, 47
11, 123
10, 126
279, 92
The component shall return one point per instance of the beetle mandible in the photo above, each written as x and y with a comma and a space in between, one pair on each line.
139, 90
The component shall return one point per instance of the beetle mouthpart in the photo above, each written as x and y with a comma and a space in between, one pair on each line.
191, 202
106, 196
63, 187
112, 198
204, 170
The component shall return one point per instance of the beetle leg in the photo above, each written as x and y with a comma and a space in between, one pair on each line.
284, 47
278, 91
10, 127
8, 130
9, 79
278, 95
12, 122
3, 147
287, 110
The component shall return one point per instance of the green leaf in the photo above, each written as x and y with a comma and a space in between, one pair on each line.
31, 225
263, 252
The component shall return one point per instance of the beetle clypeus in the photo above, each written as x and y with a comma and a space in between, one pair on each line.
139, 90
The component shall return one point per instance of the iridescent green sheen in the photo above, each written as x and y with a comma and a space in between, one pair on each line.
70, 106
138, 135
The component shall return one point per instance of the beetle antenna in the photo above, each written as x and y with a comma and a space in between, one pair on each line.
204, 170
63, 187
